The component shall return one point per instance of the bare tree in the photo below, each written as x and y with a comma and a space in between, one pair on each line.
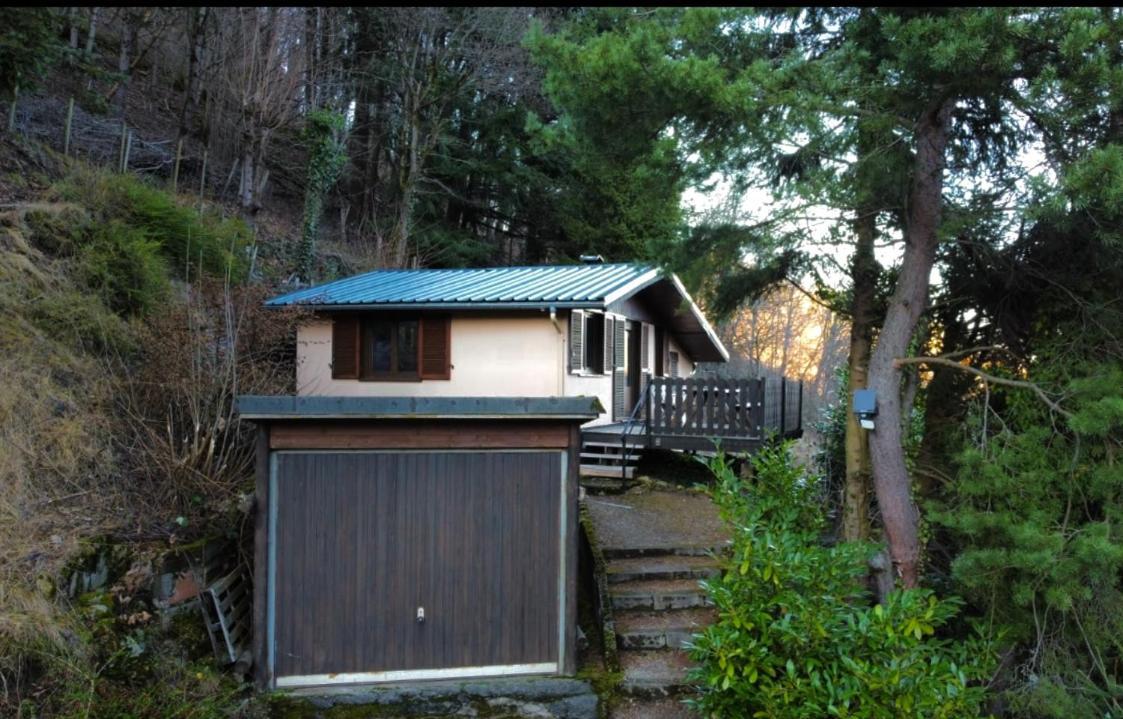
407, 85
258, 78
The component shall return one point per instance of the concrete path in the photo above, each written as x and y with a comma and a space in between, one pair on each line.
657, 546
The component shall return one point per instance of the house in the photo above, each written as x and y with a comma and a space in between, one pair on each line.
628, 334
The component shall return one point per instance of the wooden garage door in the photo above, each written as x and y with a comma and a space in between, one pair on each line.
365, 539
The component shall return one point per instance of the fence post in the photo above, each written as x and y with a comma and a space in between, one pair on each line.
175, 172
203, 178
12, 110
121, 149
69, 122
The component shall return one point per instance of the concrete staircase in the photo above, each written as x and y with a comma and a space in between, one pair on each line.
658, 605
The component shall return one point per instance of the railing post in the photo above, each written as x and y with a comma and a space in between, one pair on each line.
799, 425
783, 405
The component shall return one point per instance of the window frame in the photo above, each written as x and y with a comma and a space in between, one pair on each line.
366, 370
595, 350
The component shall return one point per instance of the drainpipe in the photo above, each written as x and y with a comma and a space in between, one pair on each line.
561, 349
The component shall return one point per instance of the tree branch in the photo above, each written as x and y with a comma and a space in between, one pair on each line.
1021, 384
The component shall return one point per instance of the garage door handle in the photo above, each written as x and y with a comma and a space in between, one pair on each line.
420, 614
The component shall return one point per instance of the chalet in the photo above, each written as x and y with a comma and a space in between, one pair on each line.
628, 334
417, 499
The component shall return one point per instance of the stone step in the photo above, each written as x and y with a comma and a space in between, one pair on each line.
607, 485
658, 594
632, 707
633, 552
658, 630
666, 567
658, 672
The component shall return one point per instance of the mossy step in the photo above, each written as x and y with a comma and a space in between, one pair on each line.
662, 629
659, 672
668, 567
658, 594
660, 551
646, 708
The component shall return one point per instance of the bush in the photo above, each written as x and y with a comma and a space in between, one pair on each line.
797, 636
124, 267
189, 240
1036, 511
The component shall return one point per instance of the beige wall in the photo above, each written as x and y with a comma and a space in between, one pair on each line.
491, 357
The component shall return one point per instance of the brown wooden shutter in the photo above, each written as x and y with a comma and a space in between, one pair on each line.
576, 341
345, 347
436, 348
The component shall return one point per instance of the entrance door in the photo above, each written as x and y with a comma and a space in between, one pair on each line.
635, 369
397, 566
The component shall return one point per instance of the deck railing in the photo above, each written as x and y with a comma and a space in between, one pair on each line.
715, 407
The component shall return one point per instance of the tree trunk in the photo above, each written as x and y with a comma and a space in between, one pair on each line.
312, 43
72, 19
198, 47
891, 479
92, 32
124, 58
863, 272
248, 183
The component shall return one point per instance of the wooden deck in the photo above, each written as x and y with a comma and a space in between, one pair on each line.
737, 415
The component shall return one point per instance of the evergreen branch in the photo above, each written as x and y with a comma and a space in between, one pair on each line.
989, 378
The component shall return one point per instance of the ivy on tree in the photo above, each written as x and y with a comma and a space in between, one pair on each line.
323, 132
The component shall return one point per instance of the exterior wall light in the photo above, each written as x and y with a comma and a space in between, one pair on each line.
865, 407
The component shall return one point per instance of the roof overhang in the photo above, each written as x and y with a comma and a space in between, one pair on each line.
668, 298
291, 407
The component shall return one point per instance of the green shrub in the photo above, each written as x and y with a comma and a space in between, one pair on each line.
797, 636
1037, 511
188, 239
123, 265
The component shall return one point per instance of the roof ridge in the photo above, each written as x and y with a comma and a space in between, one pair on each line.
635, 263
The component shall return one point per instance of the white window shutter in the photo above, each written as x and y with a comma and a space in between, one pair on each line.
576, 341
608, 348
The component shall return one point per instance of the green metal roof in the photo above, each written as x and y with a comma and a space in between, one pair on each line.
590, 285
586, 286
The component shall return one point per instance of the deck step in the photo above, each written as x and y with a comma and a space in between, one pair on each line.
606, 470
662, 629
658, 595
667, 567
659, 672
631, 458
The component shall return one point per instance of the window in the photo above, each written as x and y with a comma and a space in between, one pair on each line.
594, 343
389, 349
382, 347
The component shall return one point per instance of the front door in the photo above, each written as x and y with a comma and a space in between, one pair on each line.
635, 370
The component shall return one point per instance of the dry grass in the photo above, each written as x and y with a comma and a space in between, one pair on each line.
55, 453
111, 429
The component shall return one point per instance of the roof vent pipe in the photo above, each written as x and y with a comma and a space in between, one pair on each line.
592, 260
